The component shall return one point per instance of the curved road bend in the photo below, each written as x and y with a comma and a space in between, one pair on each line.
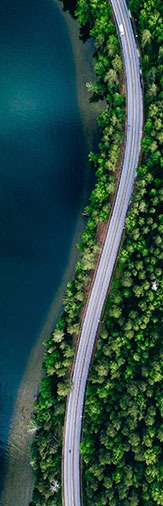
71, 455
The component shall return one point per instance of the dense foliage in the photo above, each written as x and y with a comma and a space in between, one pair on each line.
50, 406
122, 432
123, 413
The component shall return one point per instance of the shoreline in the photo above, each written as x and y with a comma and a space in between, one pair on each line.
84, 72
18, 470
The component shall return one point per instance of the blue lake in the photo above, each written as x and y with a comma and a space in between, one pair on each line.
43, 163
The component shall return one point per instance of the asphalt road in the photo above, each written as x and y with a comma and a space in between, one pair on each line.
71, 455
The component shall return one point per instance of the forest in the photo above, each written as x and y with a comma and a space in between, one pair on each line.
123, 411
122, 422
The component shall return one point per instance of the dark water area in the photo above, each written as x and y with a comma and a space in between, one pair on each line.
42, 179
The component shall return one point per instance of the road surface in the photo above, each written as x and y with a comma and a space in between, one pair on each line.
73, 422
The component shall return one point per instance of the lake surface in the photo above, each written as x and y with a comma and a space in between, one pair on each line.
42, 179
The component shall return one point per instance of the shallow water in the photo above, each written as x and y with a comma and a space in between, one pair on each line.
42, 172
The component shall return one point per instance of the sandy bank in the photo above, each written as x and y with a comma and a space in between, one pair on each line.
18, 481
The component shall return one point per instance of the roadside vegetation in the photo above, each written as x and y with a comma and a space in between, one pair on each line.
123, 412
49, 409
123, 406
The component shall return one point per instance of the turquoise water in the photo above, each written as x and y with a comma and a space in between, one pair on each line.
42, 174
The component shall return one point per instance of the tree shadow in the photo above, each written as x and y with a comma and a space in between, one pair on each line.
70, 6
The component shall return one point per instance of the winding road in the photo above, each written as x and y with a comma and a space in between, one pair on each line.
73, 422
